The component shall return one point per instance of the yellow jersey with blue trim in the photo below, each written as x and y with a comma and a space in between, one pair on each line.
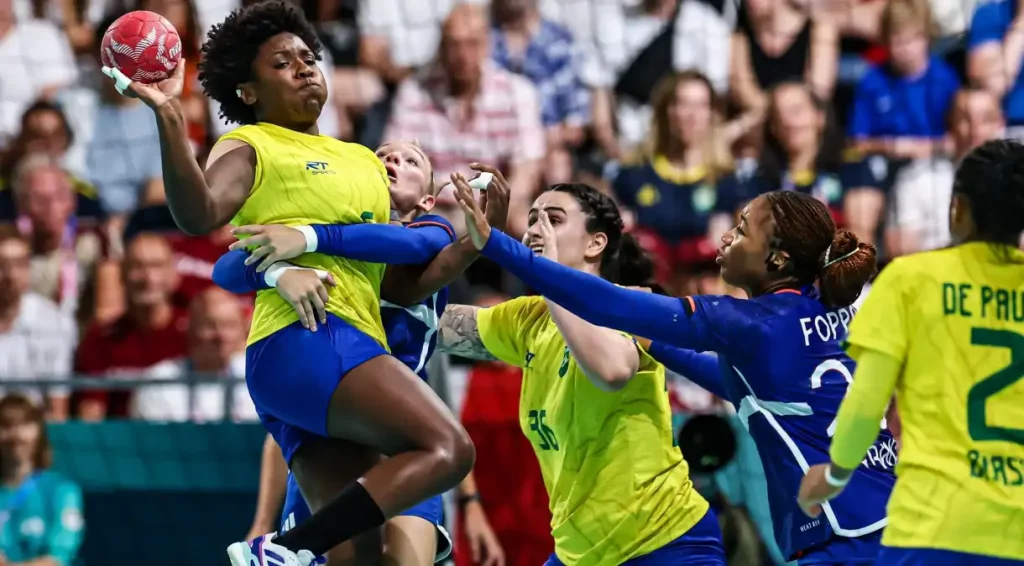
303, 179
618, 485
954, 318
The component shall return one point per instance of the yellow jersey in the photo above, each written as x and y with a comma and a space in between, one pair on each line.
955, 318
306, 179
618, 485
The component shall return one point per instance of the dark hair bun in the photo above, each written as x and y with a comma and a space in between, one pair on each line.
634, 267
846, 266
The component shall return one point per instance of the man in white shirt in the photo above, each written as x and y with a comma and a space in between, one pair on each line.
37, 338
35, 61
216, 333
919, 207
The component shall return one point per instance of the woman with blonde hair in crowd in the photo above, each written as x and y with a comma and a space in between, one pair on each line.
667, 189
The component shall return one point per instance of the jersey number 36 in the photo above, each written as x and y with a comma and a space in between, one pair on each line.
538, 426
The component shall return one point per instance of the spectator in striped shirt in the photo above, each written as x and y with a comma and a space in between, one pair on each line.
37, 338
544, 52
465, 109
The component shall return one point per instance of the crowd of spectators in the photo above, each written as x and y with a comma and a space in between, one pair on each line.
682, 110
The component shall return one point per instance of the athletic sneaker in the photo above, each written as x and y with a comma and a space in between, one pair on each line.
261, 551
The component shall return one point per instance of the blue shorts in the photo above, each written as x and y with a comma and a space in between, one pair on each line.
891, 556
296, 511
292, 375
844, 551
699, 546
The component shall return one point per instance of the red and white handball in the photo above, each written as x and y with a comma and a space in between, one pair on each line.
142, 45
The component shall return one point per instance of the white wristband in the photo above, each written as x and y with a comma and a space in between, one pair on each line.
275, 271
832, 481
311, 240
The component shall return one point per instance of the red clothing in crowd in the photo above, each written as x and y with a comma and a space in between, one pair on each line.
122, 348
194, 257
507, 474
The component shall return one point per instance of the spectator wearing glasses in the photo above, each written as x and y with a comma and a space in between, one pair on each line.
37, 339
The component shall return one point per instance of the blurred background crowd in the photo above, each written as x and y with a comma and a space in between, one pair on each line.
682, 110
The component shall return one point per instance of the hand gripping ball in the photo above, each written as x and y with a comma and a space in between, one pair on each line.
142, 45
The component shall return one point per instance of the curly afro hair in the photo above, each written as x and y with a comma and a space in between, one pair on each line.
231, 47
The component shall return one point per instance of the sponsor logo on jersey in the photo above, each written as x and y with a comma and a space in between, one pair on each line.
319, 168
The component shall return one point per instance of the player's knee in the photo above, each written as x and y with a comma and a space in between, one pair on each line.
457, 454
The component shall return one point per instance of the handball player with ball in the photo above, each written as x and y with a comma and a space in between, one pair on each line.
333, 399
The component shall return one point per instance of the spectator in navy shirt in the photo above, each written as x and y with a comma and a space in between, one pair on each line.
544, 52
900, 108
802, 153
668, 192
995, 45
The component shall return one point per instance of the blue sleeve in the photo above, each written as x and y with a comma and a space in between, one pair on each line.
231, 274
382, 243
701, 369
657, 317
862, 110
67, 526
989, 23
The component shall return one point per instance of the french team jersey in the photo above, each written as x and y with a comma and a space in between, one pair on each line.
783, 367
777, 358
412, 331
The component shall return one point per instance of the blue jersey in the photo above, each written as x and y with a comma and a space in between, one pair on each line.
412, 331
777, 358
783, 367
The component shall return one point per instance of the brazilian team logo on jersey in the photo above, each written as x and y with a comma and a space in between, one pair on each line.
564, 368
704, 198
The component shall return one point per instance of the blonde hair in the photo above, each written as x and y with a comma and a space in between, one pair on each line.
661, 141
432, 186
901, 14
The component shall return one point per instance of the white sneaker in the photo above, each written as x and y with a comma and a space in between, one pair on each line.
262, 552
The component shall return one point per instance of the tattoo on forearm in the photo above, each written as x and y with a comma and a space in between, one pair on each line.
458, 335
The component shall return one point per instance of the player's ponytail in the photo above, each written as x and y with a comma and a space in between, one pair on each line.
846, 266
630, 265
818, 252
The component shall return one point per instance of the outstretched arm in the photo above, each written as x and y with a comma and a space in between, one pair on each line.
599, 302
408, 285
377, 243
232, 274
458, 334
382, 243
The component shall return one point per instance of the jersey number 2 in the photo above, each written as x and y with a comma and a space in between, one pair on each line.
537, 424
977, 426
